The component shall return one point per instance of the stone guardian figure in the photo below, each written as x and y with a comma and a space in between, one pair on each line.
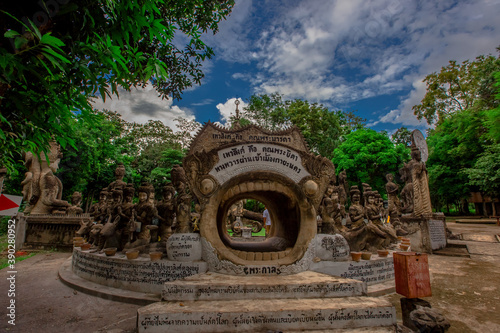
420, 181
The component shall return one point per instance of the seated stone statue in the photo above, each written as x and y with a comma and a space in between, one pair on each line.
98, 211
365, 236
373, 214
50, 186
118, 184
76, 203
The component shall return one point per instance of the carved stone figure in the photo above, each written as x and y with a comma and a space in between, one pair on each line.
383, 230
76, 203
407, 192
144, 212
118, 184
420, 182
366, 236
166, 212
356, 210
98, 210
343, 189
182, 201
126, 211
110, 232
50, 186
326, 213
31, 182
394, 204
337, 209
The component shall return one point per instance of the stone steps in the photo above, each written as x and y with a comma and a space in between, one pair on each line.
264, 315
215, 286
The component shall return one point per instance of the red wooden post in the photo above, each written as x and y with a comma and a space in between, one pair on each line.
412, 274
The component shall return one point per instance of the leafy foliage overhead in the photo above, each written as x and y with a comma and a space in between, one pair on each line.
54, 56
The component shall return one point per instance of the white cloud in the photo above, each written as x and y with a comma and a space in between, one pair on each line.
140, 105
338, 52
228, 108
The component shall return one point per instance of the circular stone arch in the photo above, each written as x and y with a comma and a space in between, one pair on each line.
293, 220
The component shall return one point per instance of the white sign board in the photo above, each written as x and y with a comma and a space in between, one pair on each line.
258, 157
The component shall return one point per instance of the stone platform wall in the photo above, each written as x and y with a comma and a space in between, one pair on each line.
376, 270
49, 231
141, 274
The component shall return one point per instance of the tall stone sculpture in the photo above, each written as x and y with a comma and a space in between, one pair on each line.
420, 182
182, 201
50, 186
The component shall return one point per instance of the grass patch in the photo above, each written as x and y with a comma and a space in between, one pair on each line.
261, 233
4, 259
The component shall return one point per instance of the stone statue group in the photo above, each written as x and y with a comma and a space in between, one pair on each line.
118, 222
366, 224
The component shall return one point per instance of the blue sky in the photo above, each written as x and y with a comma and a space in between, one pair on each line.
369, 56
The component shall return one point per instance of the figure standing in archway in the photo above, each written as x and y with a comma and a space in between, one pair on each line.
267, 221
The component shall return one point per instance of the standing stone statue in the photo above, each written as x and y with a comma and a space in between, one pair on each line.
421, 196
144, 213
50, 186
182, 201
407, 192
394, 204
126, 211
338, 209
326, 212
166, 212
356, 210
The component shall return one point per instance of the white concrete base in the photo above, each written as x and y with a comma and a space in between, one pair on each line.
215, 286
263, 315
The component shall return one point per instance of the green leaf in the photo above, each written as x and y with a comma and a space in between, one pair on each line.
11, 34
51, 40
57, 55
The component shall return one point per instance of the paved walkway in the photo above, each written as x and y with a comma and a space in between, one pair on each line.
465, 290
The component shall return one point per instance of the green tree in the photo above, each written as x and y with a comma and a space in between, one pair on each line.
72, 52
321, 128
485, 172
100, 144
402, 136
367, 156
459, 87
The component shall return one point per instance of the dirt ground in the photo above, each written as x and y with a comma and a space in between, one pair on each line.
465, 290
